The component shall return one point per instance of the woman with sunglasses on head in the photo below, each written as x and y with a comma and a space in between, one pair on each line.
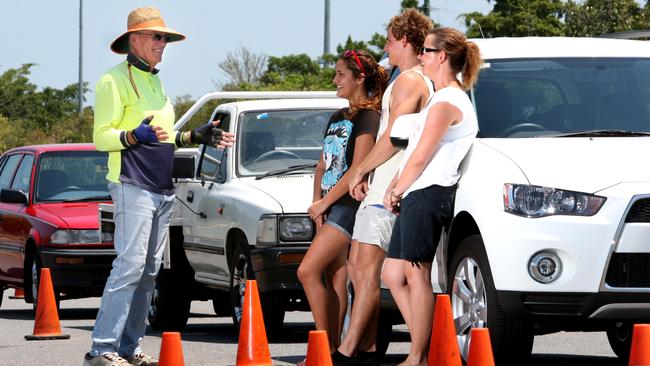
374, 224
349, 136
424, 188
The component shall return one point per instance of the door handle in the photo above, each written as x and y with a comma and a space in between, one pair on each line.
190, 196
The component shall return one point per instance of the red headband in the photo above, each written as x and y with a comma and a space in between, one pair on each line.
356, 58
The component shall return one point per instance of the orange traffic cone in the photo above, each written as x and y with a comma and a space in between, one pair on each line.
480, 348
640, 351
318, 349
253, 348
171, 350
47, 324
18, 294
443, 349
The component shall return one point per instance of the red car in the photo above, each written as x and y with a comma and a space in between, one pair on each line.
48, 218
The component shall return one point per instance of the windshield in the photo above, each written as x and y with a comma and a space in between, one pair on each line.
539, 97
72, 176
275, 140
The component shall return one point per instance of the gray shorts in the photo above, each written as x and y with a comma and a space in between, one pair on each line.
374, 225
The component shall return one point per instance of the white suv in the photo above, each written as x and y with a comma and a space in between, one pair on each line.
552, 215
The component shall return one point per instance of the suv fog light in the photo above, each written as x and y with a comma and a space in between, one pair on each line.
545, 267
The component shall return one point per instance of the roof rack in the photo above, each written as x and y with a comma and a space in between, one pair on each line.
250, 95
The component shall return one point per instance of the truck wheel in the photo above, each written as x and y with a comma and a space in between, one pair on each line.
272, 305
240, 271
221, 304
168, 310
384, 333
475, 305
619, 336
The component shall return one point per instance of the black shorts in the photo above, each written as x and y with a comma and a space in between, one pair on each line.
423, 216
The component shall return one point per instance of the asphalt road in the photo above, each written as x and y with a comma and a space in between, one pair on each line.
209, 340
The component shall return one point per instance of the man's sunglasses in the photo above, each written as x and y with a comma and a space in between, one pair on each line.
427, 50
158, 36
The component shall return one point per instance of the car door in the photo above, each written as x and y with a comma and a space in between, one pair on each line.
205, 239
15, 172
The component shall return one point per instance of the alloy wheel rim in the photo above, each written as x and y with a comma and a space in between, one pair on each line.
468, 302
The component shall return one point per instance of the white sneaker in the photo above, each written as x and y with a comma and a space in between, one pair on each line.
143, 359
107, 359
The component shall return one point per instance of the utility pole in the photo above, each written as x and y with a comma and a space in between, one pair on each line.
81, 83
326, 40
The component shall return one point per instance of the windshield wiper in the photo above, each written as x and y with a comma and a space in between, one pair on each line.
293, 168
90, 198
602, 133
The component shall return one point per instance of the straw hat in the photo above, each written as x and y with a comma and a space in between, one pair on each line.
148, 18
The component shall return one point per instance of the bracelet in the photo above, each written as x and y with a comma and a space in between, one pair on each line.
392, 193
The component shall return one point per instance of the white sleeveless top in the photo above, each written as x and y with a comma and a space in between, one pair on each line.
381, 177
442, 169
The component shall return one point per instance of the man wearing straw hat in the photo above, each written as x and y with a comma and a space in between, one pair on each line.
134, 123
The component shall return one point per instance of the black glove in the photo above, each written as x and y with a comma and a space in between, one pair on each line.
143, 133
207, 134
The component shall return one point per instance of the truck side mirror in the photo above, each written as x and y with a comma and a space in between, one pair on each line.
13, 196
183, 167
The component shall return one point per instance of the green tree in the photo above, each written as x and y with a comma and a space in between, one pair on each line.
518, 18
598, 17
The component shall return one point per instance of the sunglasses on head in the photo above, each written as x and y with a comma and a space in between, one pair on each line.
427, 50
349, 53
158, 36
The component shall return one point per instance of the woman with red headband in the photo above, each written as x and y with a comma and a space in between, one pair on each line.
349, 136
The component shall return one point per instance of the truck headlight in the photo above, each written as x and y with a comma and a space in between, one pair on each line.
295, 228
535, 201
75, 237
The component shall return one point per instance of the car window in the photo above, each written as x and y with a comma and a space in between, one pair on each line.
278, 139
23, 174
535, 97
8, 170
72, 176
214, 163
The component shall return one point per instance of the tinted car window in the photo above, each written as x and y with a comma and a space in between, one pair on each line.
23, 175
532, 97
72, 176
8, 170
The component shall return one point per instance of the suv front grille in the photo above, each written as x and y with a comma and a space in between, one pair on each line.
640, 211
629, 270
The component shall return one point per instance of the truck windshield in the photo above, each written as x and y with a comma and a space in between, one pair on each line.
279, 139
72, 176
559, 97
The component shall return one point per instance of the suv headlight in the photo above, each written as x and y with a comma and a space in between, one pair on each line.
272, 229
75, 237
536, 201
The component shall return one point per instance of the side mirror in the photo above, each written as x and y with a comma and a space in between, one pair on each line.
13, 196
183, 167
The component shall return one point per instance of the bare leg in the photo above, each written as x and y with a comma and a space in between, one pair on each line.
364, 266
395, 278
328, 245
337, 276
419, 283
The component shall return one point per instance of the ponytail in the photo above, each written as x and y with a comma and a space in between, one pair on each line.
472, 65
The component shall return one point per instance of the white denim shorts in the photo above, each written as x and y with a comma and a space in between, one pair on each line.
374, 225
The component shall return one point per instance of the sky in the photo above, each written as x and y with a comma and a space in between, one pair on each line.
46, 33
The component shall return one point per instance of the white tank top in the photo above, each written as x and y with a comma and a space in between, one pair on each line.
442, 169
381, 177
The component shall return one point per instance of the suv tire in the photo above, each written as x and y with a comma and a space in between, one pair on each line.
475, 304
619, 336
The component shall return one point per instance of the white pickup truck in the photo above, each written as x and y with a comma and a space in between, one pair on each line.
241, 213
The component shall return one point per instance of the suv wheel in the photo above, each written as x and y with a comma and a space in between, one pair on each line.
168, 310
619, 336
475, 305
